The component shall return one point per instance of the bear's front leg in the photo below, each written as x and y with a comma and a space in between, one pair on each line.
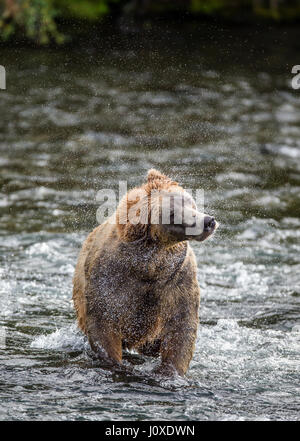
104, 340
178, 344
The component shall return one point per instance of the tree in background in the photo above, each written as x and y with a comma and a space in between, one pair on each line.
37, 20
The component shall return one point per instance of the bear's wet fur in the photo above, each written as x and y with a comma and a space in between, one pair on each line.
135, 286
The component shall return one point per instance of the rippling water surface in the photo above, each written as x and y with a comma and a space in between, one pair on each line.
220, 116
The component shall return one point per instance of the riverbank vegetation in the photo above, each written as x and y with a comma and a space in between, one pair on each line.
43, 21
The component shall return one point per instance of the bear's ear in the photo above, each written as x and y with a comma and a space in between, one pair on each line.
153, 175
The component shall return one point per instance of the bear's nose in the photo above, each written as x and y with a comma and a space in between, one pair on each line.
209, 223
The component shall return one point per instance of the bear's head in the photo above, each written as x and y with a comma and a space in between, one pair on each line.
162, 211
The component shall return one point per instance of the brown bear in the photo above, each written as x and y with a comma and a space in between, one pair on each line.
135, 282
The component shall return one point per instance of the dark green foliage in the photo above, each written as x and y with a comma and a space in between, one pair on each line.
36, 20
83, 9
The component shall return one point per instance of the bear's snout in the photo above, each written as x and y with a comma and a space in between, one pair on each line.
209, 223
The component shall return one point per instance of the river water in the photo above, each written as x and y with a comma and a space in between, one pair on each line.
214, 109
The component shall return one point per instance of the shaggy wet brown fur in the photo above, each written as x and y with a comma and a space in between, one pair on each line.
135, 286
